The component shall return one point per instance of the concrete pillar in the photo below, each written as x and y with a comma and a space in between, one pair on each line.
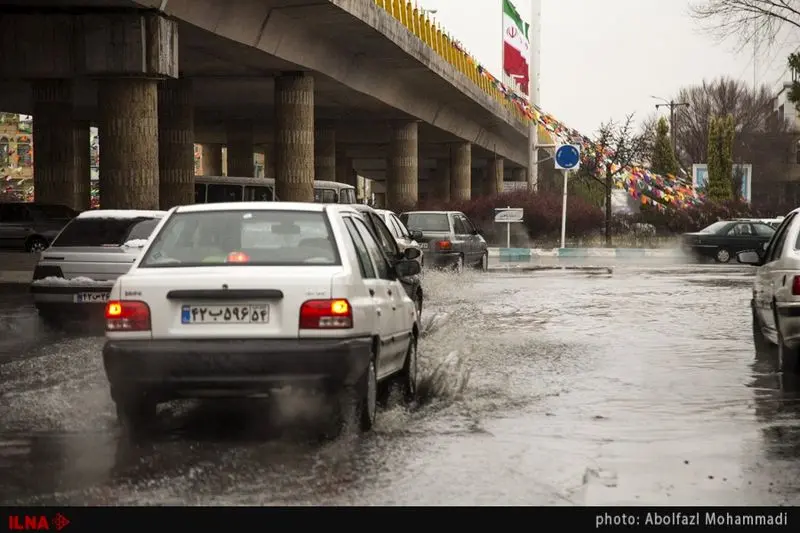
128, 143
325, 152
518, 174
82, 165
441, 188
402, 166
175, 143
344, 169
294, 137
494, 176
460, 172
211, 159
240, 149
54, 146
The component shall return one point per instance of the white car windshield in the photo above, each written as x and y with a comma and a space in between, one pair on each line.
237, 237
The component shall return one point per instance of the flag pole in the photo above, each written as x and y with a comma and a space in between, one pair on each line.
534, 31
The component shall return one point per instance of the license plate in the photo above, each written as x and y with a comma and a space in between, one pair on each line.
225, 314
91, 297
423, 246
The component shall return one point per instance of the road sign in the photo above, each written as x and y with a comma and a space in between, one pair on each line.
568, 157
508, 215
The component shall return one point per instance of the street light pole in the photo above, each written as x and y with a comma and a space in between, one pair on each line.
533, 94
672, 105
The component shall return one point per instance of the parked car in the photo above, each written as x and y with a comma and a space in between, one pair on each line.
776, 291
404, 237
774, 222
239, 299
448, 239
394, 248
74, 275
31, 226
722, 240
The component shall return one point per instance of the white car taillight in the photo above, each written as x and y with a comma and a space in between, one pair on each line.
326, 314
127, 315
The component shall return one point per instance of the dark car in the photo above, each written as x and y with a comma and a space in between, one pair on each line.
448, 240
31, 226
413, 284
722, 240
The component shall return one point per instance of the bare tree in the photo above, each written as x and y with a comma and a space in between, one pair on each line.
746, 20
762, 137
618, 146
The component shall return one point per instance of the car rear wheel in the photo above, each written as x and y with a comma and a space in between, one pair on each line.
35, 245
358, 404
408, 376
723, 255
787, 357
484, 264
759, 341
136, 414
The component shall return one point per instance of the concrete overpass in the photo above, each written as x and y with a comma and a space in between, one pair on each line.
321, 86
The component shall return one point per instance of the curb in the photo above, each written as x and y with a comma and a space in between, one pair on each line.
525, 254
538, 268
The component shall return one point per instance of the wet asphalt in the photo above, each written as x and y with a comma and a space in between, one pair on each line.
637, 387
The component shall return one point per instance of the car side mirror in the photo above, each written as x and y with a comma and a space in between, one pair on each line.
406, 268
749, 257
412, 253
476, 232
416, 234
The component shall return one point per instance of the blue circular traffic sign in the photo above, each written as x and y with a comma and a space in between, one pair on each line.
567, 156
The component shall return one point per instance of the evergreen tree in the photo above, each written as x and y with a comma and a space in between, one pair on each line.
727, 134
662, 160
794, 90
719, 186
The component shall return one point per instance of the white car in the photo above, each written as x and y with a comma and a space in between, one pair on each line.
776, 291
238, 299
74, 275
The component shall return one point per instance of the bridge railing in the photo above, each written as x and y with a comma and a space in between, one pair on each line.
430, 33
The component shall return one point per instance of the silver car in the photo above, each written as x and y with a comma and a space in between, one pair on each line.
404, 237
74, 275
776, 291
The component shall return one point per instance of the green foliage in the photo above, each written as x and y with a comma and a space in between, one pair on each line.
720, 159
662, 159
794, 90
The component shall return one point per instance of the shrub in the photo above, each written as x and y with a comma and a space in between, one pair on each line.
674, 221
542, 214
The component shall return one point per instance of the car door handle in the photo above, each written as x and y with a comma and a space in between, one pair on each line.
390, 292
372, 292
378, 311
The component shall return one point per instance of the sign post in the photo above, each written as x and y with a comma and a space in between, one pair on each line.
568, 157
508, 216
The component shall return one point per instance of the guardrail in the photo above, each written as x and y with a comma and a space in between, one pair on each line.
430, 33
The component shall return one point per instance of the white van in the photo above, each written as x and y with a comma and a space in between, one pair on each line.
216, 189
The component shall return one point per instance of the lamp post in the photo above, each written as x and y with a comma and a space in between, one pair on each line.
672, 105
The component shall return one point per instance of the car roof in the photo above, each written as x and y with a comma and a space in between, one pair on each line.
264, 206
121, 213
384, 211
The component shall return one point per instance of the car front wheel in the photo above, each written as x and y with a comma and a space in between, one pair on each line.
723, 255
408, 376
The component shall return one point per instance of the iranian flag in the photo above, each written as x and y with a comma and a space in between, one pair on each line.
516, 47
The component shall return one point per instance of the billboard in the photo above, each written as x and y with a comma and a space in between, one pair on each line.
745, 170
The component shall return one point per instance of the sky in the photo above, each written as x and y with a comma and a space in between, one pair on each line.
603, 60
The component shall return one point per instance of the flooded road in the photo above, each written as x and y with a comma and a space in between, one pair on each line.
549, 388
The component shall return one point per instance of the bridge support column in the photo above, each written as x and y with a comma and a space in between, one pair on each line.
402, 169
241, 163
54, 175
294, 137
461, 172
494, 176
211, 159
82, 165
344, 168
129, 143
441, 188
325, 152
518, 174
175, 143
